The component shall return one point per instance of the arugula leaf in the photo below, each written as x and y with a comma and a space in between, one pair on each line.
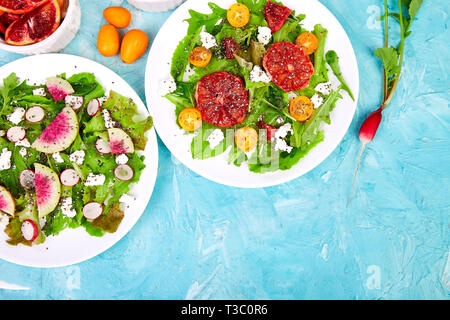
333, 61
208, 20
9, 83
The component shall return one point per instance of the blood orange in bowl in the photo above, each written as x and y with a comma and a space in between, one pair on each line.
38, 26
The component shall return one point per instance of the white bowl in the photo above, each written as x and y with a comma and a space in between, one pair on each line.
58, 40
155, 5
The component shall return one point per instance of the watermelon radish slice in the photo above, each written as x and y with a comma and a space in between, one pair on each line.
15, 134
29, 230
48, 189
20, 6
35, 114
7, 203
120, 142
222, 99
26, 179
59, 134
69, 177
34, 26
92, 210
288, 66
276, 15
58, 88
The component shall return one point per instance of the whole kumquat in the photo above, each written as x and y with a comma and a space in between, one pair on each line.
117, 16
108, 41
134, 44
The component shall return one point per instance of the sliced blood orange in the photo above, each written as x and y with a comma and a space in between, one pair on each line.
34, 26
231, 47
20, 6
222, 99
289, 66
276, 15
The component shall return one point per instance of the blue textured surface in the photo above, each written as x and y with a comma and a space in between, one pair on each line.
201, 240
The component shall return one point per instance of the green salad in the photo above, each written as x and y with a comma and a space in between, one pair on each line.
251, 81
68, 156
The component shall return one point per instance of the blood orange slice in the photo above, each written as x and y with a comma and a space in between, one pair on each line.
20, 6
222, 99
289, 66
6, 19
276, 15
34, 26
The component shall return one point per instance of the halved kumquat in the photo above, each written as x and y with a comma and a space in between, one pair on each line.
308, 42
238, 15
246, 139
301, 108
200, 57
190, 119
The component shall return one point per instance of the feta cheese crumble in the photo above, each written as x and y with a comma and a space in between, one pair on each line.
167, 86
67, 207
2, 133
17, 116
23, 152
23, 143
207, 40
4, 220
126, 198
77, 157
280, 134
264, 35
57, 157
324, 88
95, 180
122, 159
259, 75
215, 138
316, 100
39, 92
5, 159
109, 122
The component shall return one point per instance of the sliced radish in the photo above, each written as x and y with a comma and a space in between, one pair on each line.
124, 172
29, 230
93, 107
35, 114
15, 134
26, 179
92, 210
69, 177
102, 146
75, 102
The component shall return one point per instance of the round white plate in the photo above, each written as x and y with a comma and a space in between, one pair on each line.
75, 245
217, 169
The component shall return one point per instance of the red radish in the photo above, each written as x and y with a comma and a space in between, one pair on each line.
26, 179
35, 114
75, 102
93, 107
366, 134
15, 134
29, 230
92, 210
124, 172
69, 177
102, 146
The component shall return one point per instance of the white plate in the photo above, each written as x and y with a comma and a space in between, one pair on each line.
75, 245
217, 169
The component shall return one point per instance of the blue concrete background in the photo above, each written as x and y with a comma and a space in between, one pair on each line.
201, 240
